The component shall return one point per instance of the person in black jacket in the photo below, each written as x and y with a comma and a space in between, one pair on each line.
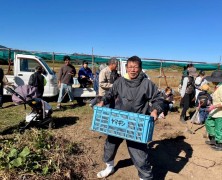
135, 94
1, 86
37, 80
187, 93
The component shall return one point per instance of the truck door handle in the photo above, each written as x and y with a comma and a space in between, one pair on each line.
20, 74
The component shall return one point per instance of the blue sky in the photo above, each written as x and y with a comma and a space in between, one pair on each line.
162, 29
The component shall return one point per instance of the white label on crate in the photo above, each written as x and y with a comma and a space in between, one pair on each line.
120, 123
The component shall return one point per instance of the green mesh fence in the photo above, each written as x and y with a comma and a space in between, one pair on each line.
147, 64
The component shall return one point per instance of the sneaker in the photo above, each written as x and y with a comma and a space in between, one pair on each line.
72, 105
106, 172
211, 142
217, 147
59, 107
182, 119
161, 116
90, 105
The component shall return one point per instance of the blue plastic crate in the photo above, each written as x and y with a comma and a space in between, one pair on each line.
123, 124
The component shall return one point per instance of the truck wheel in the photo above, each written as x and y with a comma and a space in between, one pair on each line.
87, 99
51, 125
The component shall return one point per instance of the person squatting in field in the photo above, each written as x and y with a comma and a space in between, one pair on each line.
139, 95
168, 101
85, 76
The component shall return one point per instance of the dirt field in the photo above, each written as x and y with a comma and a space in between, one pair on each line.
174, 152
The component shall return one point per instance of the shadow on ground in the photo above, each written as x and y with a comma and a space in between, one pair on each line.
64, 121
58, 123
169, 155
69, 106
10, 130
123, 163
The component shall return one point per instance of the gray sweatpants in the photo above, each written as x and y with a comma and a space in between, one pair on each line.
137, 151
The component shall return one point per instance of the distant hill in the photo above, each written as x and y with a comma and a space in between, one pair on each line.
2, 46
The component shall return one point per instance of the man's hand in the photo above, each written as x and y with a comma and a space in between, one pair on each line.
59, 84
101, 103
154, 114
72, 74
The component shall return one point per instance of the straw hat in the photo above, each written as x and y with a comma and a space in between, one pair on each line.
204, 87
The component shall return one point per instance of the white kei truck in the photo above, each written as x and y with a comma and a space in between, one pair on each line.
24, 67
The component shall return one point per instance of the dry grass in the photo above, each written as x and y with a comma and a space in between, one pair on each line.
173, 77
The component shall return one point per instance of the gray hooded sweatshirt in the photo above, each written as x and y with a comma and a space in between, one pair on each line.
139, 95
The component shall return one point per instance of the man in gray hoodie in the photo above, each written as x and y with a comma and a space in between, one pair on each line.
139, 95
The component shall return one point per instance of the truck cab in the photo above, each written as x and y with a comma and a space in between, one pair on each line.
24, 67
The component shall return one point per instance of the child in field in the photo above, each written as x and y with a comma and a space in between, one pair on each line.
204, 100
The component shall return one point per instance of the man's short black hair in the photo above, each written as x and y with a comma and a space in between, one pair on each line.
66, 58
84, 62
38, 68
135, 59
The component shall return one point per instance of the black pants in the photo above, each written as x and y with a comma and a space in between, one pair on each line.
40, 92
84, 82
137, 151
186, 103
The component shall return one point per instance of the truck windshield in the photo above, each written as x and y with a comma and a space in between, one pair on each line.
46, 66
